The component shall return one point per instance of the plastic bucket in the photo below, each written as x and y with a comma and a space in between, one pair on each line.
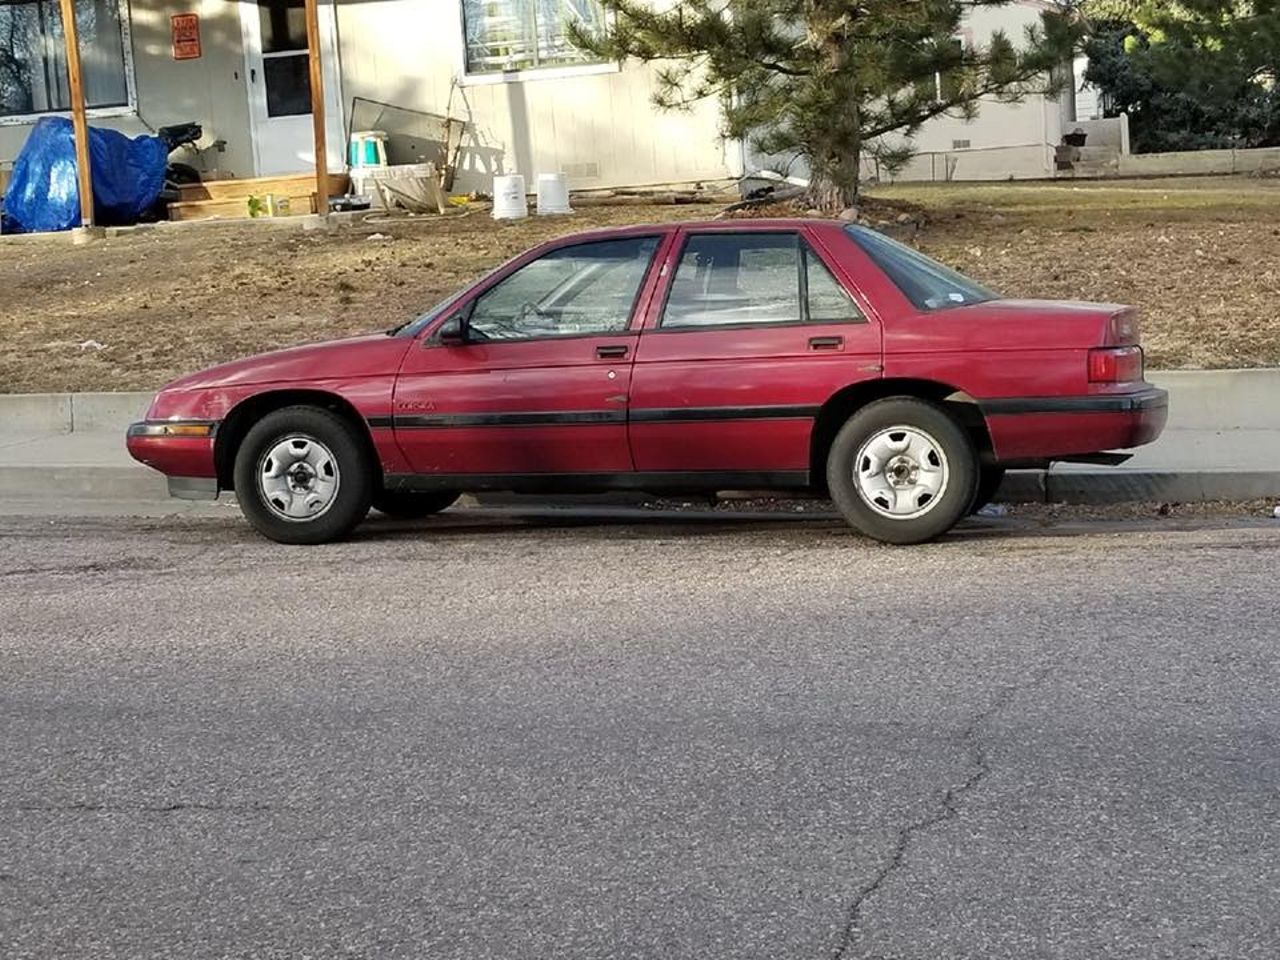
368, 148
509, 201
553, 194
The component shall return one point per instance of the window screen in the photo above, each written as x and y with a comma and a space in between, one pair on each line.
33, 62
506, 35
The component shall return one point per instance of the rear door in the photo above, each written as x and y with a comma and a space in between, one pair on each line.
540, 388
754, 334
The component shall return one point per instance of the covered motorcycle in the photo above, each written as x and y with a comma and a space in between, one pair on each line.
44, 192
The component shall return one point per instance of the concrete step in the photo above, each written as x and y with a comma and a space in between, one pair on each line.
1106, 155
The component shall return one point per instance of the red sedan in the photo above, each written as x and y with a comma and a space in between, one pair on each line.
782, 355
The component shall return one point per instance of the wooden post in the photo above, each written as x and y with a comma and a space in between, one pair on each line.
317, 106
79, 124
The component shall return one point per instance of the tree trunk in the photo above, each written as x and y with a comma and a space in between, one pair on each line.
834, 180
829, 196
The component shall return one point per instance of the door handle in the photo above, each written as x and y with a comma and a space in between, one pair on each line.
612, 352
826, 343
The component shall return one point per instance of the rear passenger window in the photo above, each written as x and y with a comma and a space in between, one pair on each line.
727, 279
730, 278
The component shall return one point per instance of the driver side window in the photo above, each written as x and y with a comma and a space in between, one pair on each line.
589, 288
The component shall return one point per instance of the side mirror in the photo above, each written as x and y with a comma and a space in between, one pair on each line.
453, 332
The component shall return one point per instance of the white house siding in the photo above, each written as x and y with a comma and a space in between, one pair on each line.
1005, 140
596, 124
210, 90
600, 128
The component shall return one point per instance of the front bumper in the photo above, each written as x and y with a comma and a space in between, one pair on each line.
185, 458
1053, 428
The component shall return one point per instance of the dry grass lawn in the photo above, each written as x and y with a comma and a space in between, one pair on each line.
1201, 257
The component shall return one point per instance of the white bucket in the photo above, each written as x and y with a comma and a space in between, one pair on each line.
553, 194
509, 201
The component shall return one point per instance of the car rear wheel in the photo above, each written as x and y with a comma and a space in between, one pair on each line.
302, 476
412, 506
989, 480
901, 470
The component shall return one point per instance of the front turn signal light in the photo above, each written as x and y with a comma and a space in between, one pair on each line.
188, 429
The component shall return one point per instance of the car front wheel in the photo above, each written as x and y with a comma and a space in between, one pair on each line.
902, 470
302, 476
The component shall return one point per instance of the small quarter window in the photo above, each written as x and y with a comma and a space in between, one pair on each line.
829, 302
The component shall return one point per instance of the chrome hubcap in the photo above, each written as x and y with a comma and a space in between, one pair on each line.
901, 473
298, 478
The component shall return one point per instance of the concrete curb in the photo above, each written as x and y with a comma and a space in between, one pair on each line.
1221, 402
71, 412
1203, 399
1172, 487
137, 483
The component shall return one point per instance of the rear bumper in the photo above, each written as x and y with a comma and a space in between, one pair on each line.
188, 461
1050, 428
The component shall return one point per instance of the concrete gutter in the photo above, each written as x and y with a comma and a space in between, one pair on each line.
1222, 443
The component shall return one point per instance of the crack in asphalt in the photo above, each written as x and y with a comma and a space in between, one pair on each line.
948, 809
74, 569
139, 808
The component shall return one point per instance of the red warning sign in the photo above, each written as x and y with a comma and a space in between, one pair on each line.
186, 36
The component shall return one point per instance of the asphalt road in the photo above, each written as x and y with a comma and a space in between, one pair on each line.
476, 738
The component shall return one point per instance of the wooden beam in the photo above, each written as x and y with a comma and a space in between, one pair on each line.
317, 105
79, 123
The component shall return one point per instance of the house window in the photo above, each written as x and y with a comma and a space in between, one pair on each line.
33, 61
508, 35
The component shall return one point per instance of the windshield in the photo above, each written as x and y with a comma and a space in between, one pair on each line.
925, 282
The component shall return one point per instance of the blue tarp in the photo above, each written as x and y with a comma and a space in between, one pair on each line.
44, 192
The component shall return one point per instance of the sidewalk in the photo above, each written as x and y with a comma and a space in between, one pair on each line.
1222, 443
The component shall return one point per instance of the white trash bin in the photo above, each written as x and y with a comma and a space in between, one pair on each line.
509, 202
553, 194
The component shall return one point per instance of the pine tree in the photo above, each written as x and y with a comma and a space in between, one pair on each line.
1191, 74
832, 81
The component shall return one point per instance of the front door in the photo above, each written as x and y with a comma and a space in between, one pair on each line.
539, 387
277, 74
755, 335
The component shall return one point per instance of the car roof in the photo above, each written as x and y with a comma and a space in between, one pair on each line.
743, 224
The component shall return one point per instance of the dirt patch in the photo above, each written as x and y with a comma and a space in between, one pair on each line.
131, 312
1200, 257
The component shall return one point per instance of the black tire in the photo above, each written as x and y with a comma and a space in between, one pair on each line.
989, 480
182, 173
935, 514
400, 505
346, 458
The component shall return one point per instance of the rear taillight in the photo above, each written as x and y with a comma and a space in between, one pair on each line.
1115, 365
1123, 329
